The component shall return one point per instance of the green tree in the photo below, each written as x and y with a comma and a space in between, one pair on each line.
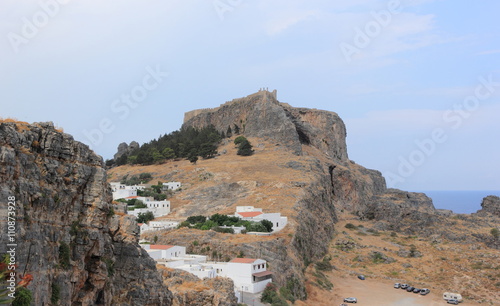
196, 219
245, 149
145, 217
229, 132
193, 159
132, 160
239, 140
268, 225
208, 150
219, 219
145, 177
236, 130
168, 153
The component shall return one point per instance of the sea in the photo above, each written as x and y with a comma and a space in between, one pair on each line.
459, 201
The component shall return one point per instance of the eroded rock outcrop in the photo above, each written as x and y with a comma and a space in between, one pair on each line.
125, 149
262, 115
68, 236
490, 204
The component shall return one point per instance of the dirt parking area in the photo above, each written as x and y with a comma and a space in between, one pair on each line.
374, 292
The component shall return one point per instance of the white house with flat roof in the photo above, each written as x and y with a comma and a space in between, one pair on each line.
158, 208
172, 185
164, 252
251, 213
248, 274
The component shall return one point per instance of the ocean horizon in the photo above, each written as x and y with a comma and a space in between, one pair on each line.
459, 201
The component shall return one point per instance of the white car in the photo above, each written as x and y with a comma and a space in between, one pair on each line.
351, 300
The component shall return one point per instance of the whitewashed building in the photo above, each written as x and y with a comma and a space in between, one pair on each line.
158, 208
164, 252
251, 213
162, 225
172, 185
143, 227
121, 191
248, 274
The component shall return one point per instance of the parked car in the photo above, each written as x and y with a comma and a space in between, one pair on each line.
424, 291
404, 286
397, 285
416, 290
452, 301
361, 277
410, 288
350, 300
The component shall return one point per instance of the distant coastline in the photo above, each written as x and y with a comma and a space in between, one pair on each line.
459, 201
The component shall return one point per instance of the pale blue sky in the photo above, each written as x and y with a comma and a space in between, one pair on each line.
414, 61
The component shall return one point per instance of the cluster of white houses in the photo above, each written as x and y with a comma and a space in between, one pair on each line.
162, 208
158, 208
122, 191
248, 274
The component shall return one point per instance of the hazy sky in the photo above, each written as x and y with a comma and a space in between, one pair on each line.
417, 82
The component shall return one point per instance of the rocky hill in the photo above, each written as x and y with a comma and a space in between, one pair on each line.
300, 168
68, 237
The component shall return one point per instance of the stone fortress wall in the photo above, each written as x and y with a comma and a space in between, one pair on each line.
262, 92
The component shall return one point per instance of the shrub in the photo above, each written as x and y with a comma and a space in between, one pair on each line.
64, 255
56, 293
110, 266
223, 230
350, 226
495, 232
269, 293
22, 297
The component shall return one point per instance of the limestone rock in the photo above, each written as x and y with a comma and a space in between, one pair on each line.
262, 115
63, 201
124, 148
490, 204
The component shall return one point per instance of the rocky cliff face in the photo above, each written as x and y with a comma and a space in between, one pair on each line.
68, 236
261, 115
338, 184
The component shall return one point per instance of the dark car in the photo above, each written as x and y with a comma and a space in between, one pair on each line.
424, 291
452, 301
410, 288
404, 286
397, 285
361, 277
416, 290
